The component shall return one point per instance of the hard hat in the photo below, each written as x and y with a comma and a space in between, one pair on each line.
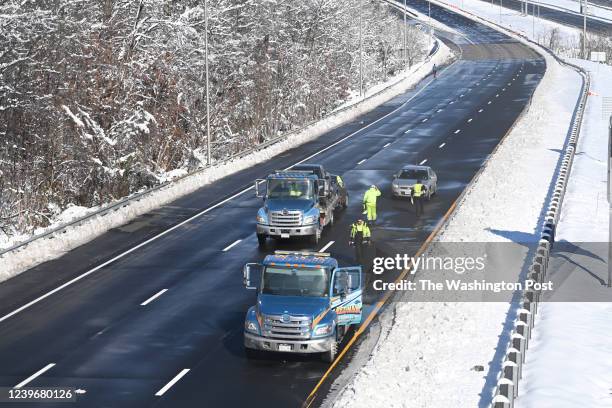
373, 186
359, 220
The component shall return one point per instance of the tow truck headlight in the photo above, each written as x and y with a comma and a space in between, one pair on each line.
262, 218
323, 330
310, 219
251, 326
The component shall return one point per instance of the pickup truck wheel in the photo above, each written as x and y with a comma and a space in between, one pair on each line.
261, 239
330, 355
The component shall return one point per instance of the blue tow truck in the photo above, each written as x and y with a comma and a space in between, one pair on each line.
298, 203
305, 303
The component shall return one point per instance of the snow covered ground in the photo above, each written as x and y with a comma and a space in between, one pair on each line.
534, 28
569, 362
430, 355
42, 250
603, 13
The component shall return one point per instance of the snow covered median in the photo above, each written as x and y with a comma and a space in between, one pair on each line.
45, 249
569, 362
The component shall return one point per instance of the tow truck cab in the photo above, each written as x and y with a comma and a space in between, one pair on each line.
305, 303
296, 204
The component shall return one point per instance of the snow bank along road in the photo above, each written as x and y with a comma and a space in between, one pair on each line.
163, 325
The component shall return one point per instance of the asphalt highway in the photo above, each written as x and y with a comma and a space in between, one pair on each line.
162, 325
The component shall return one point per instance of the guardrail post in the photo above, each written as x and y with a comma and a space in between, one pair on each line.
519, 343
526, 317
511, 373
505, 394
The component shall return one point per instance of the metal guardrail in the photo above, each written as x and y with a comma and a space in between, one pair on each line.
514, 359
124, 202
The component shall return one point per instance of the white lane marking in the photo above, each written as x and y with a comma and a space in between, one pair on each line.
227, 248
423, 162
451, 102
330, 243
198, 215
470, 119
155, 296
457, 131
387, 145
488, 103
477, 83
361, 161
36, 374
442, 145
497, 95
503, 89
509, 83
439, 110
424, 120
461, 96
480, 110
408, 131
171, 383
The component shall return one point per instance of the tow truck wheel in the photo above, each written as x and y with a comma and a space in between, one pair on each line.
331, 219
316, 237
346, 201
261, 239
330, 355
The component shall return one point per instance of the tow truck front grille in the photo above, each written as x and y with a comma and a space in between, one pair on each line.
287, 327
286, 219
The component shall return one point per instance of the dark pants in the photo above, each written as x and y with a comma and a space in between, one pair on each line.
418, 205
359, 252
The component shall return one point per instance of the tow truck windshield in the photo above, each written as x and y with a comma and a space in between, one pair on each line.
299, 189
285, 281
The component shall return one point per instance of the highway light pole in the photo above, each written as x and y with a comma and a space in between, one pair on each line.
208, 151
585, 6
532, 19
360, 51
429, 18
610, 203
405, 33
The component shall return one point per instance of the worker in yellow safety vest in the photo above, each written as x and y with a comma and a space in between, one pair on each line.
369, 203
294, 190
360, 237
417, 195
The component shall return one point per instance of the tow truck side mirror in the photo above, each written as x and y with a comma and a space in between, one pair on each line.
321, 190
247, 273
257, 192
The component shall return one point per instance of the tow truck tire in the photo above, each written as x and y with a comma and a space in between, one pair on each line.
346, 201
330, 355
316, 237
331, 219
261, 239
